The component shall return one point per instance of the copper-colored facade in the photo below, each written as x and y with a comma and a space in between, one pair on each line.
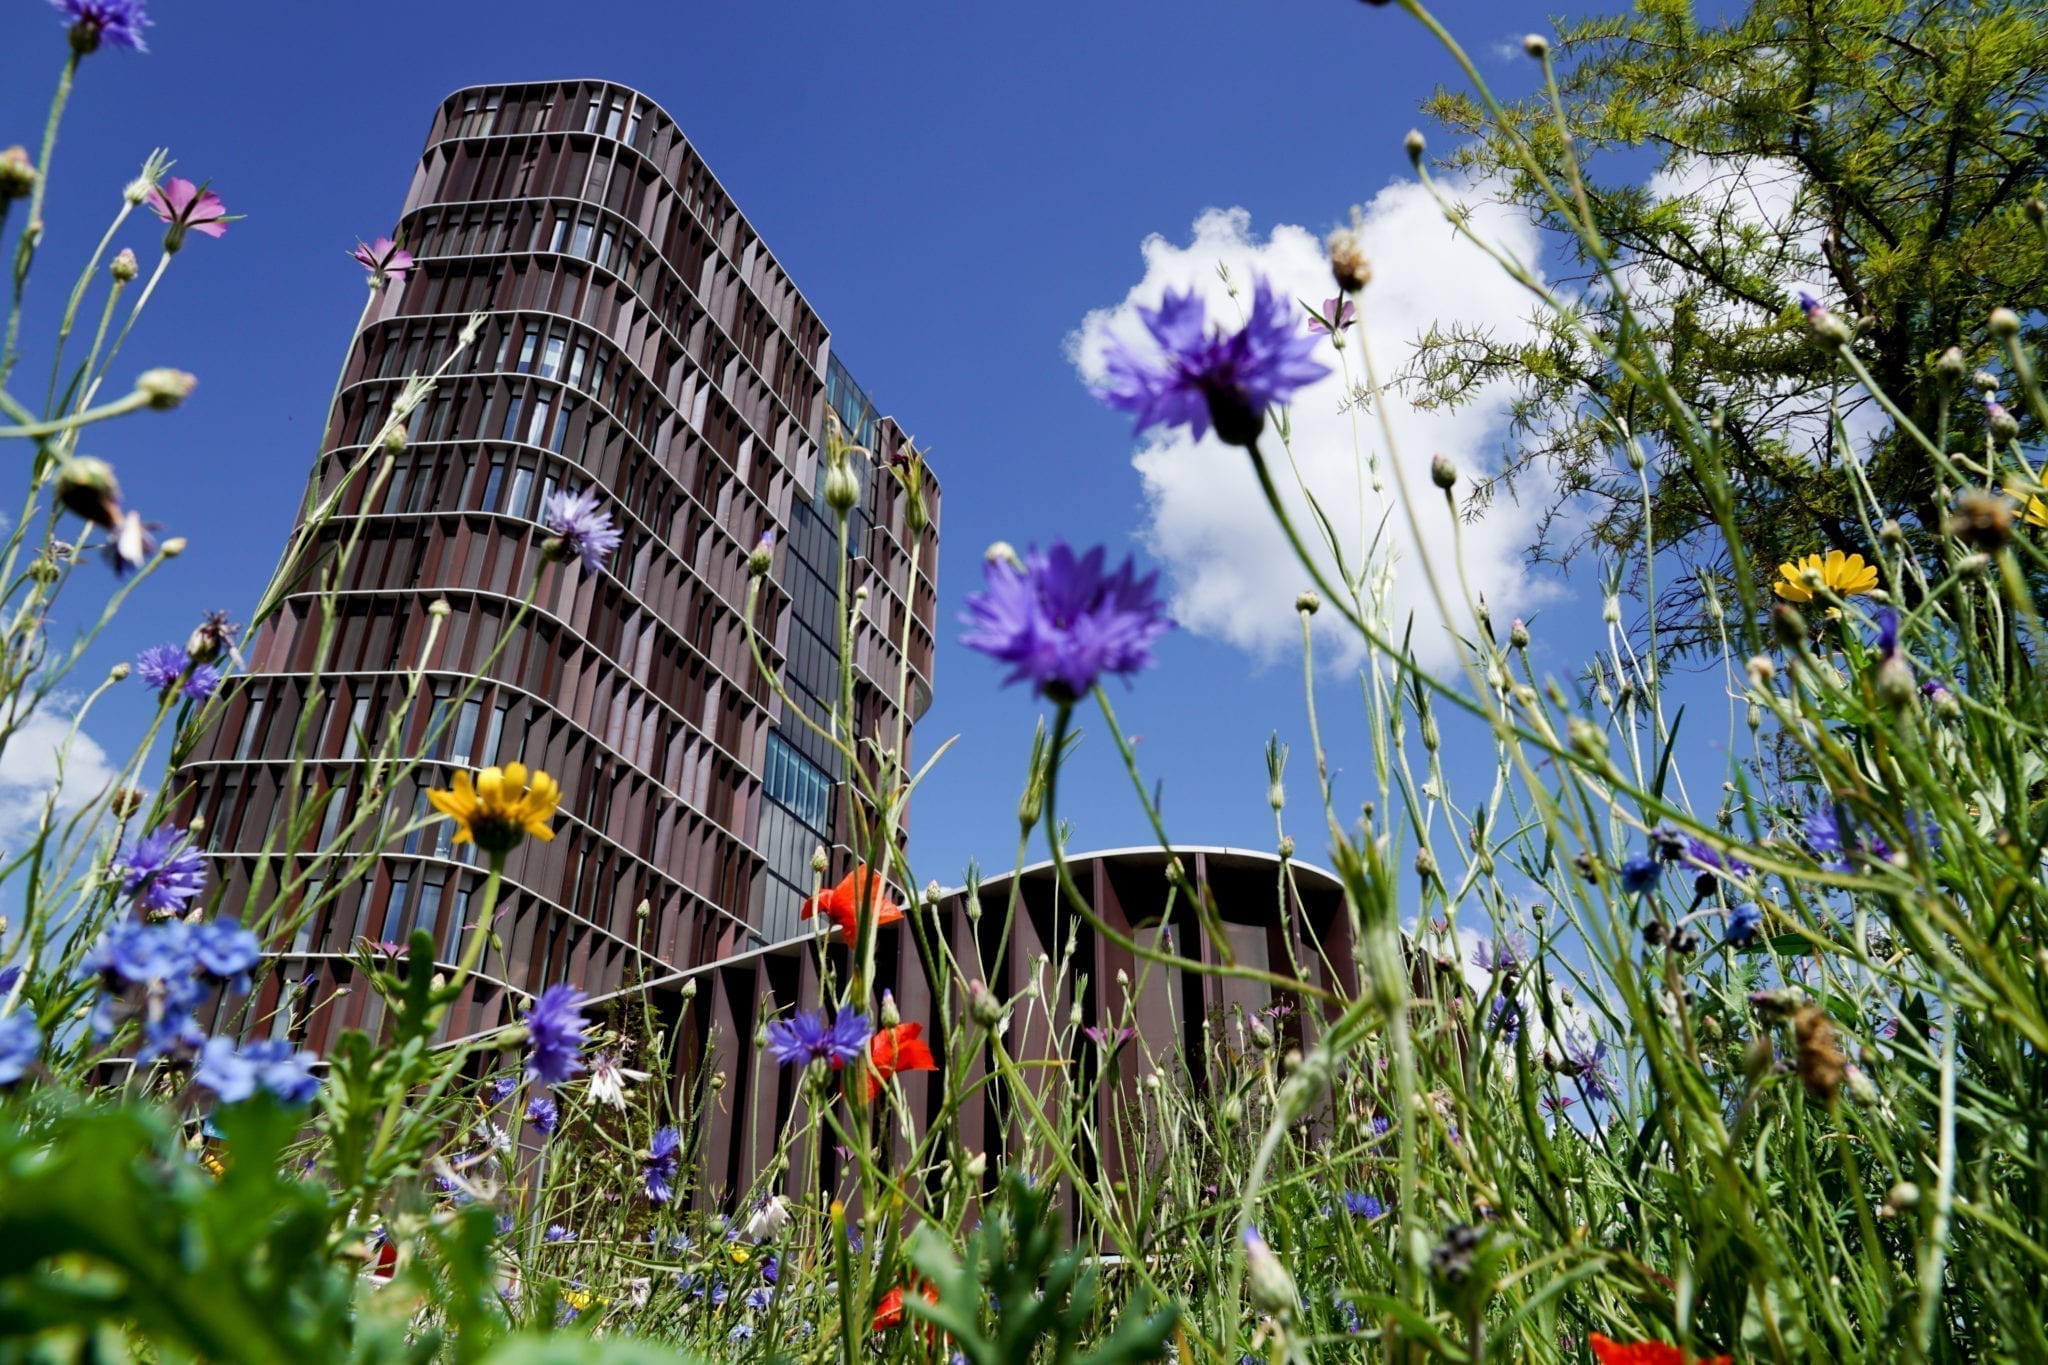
639, 340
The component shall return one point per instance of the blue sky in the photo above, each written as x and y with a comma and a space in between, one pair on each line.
954, 189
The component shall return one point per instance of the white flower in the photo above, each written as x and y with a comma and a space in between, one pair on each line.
769, 1221
607, 1084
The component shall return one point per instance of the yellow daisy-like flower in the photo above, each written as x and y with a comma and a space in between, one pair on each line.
1843, 575
2035, 512
501, 808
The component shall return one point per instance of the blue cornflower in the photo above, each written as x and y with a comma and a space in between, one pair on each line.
1832, 832
161, 872
1381, 1125
658, 1167
1502, 955
203, 683
743, 1331
1887, 641
501, 1087
1506, 1018
1361, 1205
1639, 874
20, 1041
270, 1065
149, 970
1743, 922
771, 1270
1203, 377
806, 1037
1708, 858
759, 1298
160, 666
227, 952
1061, 622
554, 1035
1587, 1056
557, 1233
543, 1114
93, 22
583, 526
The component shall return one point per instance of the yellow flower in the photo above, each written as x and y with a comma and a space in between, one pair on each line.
2036, 512
1843, 575
577, 1299
501, 808
741, 1255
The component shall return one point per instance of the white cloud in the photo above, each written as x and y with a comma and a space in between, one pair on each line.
36, 762
1232, 574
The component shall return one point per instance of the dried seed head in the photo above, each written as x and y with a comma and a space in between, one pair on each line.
1981, 520
1821, 1064
1349, 265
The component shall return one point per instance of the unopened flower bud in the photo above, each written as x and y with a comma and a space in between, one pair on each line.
1761, 670
1518, 634
1271, 1287
1537, 46
124, 267
1788, 625
977, 1166
1287, 845
890, 1016
819, 861
1895, 684
762, 557
933, 893
173, 547
127, 801
1820, 1062
87, 488
1828, 328
1984, 381
2004, 323
689, 990
1442, 472
1588, 740
1262, 1035
119, 672
439, 609
1425, 864
1349, 265
982, 1006
842, 486
17, 174
1414, 144
394, 439
718, 1080
1002, 552
165, 389
1903, 1195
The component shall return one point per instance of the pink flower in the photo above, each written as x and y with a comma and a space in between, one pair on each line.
384, 259
188, 208
1336, 315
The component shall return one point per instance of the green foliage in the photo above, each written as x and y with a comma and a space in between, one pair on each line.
1039, 1297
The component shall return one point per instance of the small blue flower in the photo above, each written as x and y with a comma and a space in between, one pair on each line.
806, 1037
741, 1332
1743, 923
554, 1035
161, 872
1639, 874
271, 1066
21, 1041
557, 1233
543, 1114
501, 1087
1361, 1205
227, 952
658, 1168
1061, 622
1506, 1017
93, 22
759, 1298
584, 526
1503, 955
1200, 377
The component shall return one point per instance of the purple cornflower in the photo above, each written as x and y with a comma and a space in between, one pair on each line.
1639, 874
1506, 1019
1502, 955
1587, 1056
658, 1167
161, 666
1831, 831
384, 259
1360, 1205
543, 1114
1205, 377
1336, 315
557, 1233
268, 1065
187, 207
759, 1297
1061, 622
93, 22
583, 525
227, 952
1708, 858
805, 1037
1108, 1039
1743, 923
501, 1087
20, 1041
161, 872
554, 1035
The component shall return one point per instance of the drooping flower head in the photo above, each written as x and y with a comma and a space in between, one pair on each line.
842, 903
185, 207
807, 1037
896, 1050
502, 807
582, 527
659, 1166
1202, 377
1843, 575
93, 22
161, 872
385, 259
1061, 622
554, 1035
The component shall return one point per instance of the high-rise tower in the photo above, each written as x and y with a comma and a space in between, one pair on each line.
640, 341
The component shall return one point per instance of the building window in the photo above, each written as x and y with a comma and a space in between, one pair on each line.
394, 910
496, 480
795, 782
251, 723
522, 490
465, 731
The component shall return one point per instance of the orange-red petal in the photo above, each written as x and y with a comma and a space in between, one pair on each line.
1644, 1353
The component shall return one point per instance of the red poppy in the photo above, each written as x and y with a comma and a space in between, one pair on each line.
894, 1050
1645, 1353
889, 1312
841, 904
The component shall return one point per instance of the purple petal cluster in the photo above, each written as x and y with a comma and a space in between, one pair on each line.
161, 872
554, 1035
658, 1167
1061, 622
269, 1066
163, 667
584, 526
1639, 874
384, 259
1502, 955
1203, 377
1743, 923
93, 22
20, 1043
543, 1114
807, 1036
162, 973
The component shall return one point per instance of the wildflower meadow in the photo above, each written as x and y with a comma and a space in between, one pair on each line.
1637, 1051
